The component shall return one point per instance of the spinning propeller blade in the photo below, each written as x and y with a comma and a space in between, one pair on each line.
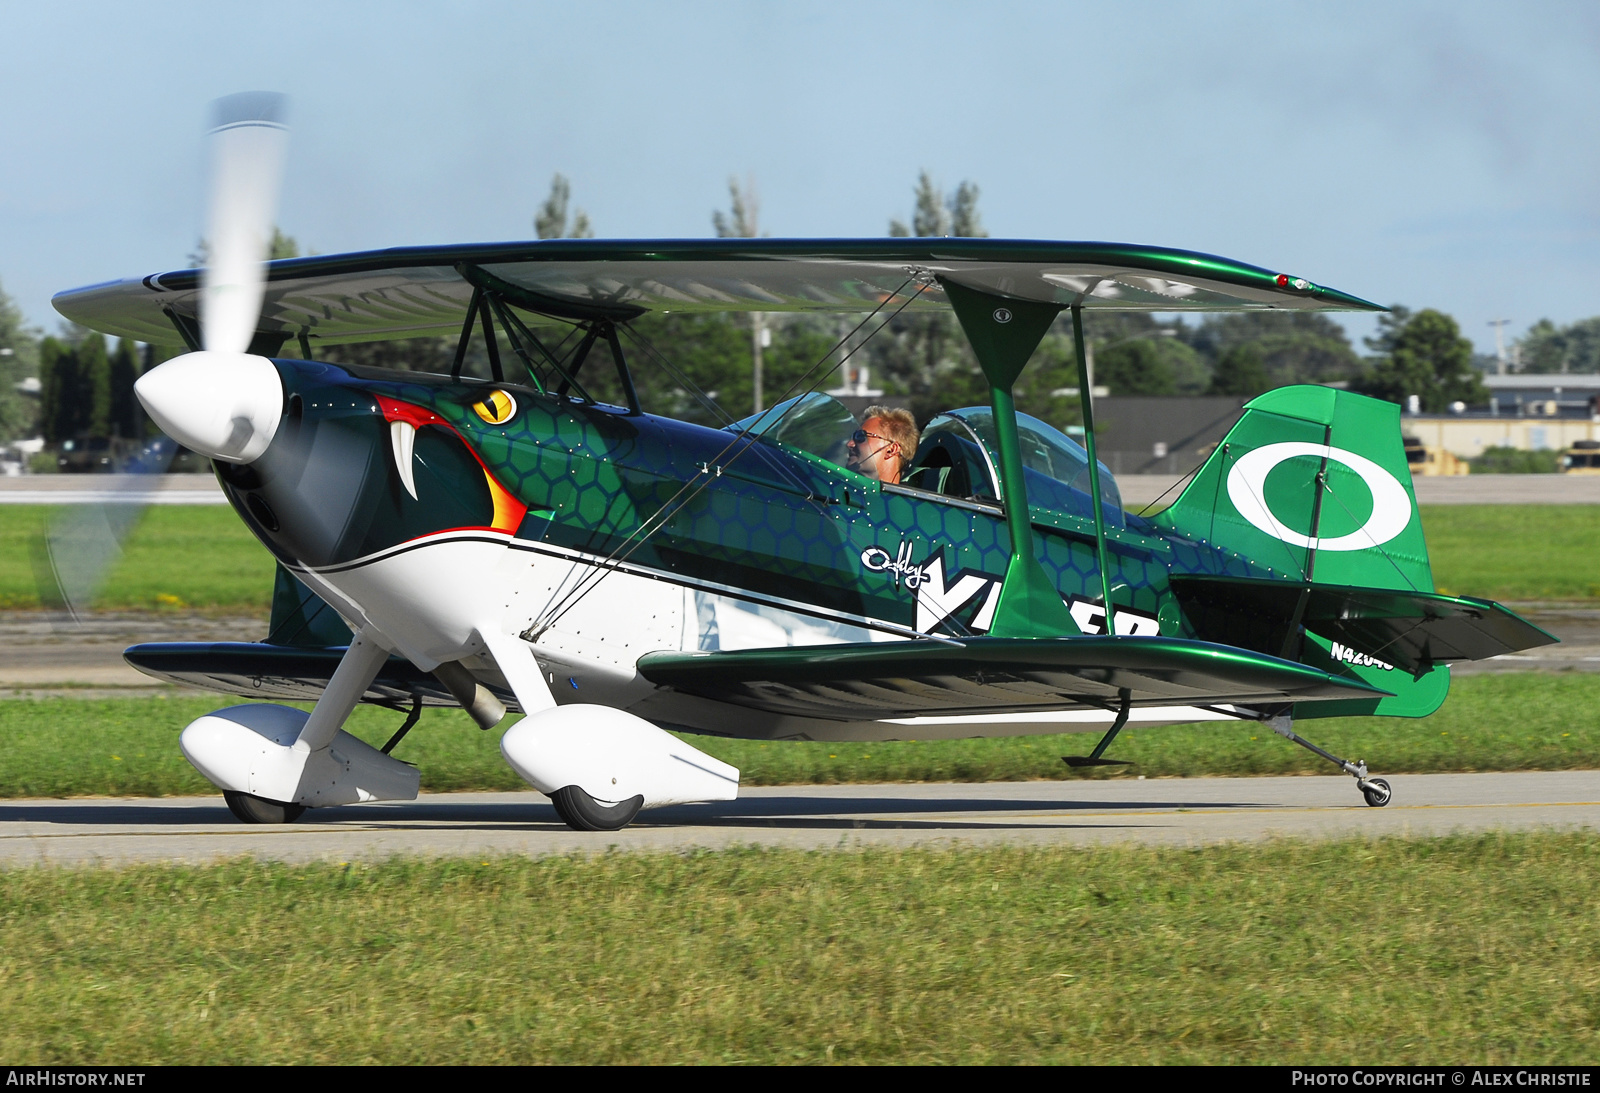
249, 143
222, 402
80, 543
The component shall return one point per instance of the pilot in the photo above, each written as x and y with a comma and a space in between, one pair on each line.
884, 445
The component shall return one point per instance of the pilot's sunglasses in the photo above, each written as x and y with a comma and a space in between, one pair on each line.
860, 436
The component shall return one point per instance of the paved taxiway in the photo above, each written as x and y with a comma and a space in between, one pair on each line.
1182, 812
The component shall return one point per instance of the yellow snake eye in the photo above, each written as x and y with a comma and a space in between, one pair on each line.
497, 408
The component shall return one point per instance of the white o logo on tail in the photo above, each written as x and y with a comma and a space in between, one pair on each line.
1391, 505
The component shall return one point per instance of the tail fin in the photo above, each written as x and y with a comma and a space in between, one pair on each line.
1314, 483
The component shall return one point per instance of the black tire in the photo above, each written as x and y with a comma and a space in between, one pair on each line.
1377, 792
259, 810
583, 813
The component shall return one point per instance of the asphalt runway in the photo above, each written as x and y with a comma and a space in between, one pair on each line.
1168, 812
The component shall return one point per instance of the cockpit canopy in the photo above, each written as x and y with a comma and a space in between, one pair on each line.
1055, 467
958, 457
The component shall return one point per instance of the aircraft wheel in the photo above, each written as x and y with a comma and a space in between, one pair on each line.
259, 810
1377, 792
583, 813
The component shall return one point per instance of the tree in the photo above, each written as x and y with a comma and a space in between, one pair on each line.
1294, 346
551, 220
1135, 368
60, 392
94, 377
924, 355
282, 246
1426, 357
743, 221
126, 417
1549, 348
1158, 365
936, 214
1240, 371
1390, 324
743, 218
86, 392
19, 361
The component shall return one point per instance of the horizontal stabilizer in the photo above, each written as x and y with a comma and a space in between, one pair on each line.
286, 673
993, 675
1411, 630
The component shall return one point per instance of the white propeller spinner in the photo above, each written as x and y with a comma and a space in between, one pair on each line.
223, 402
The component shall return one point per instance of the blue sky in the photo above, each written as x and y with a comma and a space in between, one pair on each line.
1436, 155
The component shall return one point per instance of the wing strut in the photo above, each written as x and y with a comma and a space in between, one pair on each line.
1086, 401
1004, 332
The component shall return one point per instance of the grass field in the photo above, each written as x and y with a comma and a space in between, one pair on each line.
202, 557
64, 747
1515, 552
1481, 949
180, 556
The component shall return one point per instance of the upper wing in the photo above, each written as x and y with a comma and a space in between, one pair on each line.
416, 291
993, 675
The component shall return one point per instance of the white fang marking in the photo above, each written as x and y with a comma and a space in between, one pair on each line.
403, 438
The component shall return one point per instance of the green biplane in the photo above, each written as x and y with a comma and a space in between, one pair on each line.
514, 543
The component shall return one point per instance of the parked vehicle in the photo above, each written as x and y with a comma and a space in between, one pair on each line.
1429, 462
1582, 458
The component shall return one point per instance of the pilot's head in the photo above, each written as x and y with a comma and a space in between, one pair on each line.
884, 445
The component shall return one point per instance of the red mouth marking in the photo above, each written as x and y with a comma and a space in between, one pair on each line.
508, 510
417, 416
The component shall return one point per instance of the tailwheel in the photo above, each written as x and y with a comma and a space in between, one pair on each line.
1376, 791
259, 810
583, 813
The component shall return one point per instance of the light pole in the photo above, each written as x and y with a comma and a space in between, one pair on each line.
1499, 344
760, 338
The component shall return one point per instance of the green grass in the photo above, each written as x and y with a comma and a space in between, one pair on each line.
62, 747
1472, 949
179, 556
1515, 552
203, 557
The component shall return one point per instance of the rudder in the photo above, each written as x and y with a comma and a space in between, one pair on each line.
1258, 492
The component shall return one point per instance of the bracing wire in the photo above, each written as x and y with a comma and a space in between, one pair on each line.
1180, 482
697, 484
667, 510
1375, 545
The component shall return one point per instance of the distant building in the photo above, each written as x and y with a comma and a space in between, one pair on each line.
1161, 435
1534, 394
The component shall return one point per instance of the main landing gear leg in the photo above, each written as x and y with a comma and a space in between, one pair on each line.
1375, 790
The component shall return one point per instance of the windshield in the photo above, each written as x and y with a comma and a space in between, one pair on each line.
1055, 467
815, 423
951, 461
